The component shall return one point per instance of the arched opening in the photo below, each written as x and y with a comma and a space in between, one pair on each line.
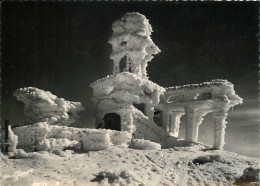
130, 69
182, 128
122, 63
206, 130
112, 121
204, 96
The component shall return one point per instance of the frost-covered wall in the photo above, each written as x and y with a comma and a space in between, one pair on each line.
118, 94
43, 106
42, 136
132, 44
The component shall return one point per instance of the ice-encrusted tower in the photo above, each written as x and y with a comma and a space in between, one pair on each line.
132, 46
125, 100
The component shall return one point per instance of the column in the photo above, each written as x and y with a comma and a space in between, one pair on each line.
116, 68
127, 123
219, 117
174, 126
189, 123
165, 120
149, 110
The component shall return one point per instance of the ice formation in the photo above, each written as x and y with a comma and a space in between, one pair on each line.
43, 106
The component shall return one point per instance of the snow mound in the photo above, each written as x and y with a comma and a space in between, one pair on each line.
251, 174
142, 144
117, 177
43, 106
60, 153
18, 154
5, 160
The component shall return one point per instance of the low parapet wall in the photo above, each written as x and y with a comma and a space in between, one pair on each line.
42, 136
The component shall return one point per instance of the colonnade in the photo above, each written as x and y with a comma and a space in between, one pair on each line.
193, 118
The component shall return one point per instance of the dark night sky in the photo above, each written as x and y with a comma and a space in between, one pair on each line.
62, 47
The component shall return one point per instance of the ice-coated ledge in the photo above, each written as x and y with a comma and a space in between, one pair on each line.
124, 80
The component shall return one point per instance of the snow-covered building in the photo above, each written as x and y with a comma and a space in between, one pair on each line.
129, 109
129, 101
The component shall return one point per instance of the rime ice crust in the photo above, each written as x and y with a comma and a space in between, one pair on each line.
131, 39
43, 106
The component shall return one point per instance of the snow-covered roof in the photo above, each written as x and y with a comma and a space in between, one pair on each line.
126, 78
217, 88
200, 85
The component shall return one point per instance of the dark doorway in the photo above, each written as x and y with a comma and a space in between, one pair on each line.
122, 63
112, 121
157, 117
205, 96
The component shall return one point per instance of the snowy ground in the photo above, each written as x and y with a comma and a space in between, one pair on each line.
123, 166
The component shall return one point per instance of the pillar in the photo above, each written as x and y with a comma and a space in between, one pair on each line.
189, 123
219, 117
5, 146
174, 124
165, 120
149, 111
116, 68
127, 123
